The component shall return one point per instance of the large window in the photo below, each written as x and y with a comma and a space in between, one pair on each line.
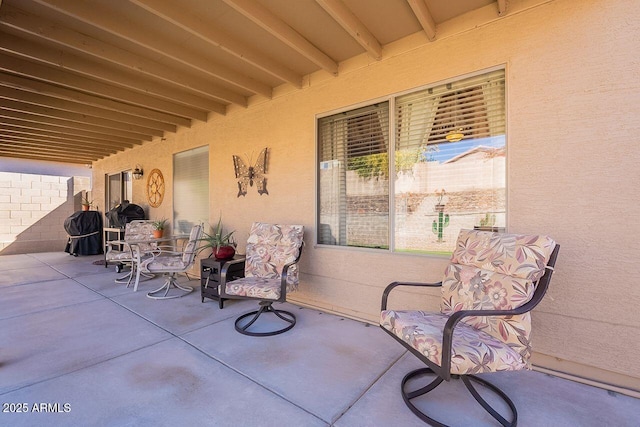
190, 189
444, 149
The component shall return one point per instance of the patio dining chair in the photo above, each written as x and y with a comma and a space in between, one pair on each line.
271, 272
128, 253
172, 262
492, 283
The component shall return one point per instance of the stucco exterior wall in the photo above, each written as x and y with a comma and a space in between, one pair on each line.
572, 78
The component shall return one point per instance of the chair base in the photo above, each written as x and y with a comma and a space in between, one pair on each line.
265, 307
170, 283
128, 278
466, 379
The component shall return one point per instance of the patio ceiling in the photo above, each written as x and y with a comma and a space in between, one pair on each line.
81, 80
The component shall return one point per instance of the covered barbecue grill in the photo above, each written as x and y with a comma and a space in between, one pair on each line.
84, 229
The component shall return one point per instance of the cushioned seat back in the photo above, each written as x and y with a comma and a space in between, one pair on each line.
270, 247
189, 254
491, 271
140, 230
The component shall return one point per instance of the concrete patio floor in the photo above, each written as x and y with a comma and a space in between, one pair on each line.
110, 357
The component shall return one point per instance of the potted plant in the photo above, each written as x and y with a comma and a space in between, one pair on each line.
86, 203
222, 245
158, 227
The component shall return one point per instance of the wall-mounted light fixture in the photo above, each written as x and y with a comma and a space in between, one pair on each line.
137, 172
455, 135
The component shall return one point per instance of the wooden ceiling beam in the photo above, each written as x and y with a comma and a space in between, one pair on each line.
275, 26
421, 11
44, 147
20, 101
350, 22
35, 114
92, 15
502, 7
67, 61
37, 142
179, 16
32, 135
73, 134
59, 77
48, 157
72, 100
16, 19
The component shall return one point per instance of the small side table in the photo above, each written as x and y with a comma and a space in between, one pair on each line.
210, 276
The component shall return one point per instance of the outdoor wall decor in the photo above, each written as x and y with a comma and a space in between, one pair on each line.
246, 175
155, 188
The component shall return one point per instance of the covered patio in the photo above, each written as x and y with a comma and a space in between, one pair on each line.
383, 127
86, 351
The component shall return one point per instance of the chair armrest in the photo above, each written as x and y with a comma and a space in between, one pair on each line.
223, 276
447, 336
391, 286
285, 271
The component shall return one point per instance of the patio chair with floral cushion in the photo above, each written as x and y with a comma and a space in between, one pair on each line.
132, 249
270, 273
172, 262
492, 283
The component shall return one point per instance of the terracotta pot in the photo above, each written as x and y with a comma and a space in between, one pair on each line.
157, 233
85, 207
224, 252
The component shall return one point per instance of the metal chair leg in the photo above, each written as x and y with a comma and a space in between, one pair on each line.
168, 285
467, 380
265, 307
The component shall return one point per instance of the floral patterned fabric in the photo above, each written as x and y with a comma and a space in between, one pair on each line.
169, 262
269, 248
472, 352
489, 271
133, 231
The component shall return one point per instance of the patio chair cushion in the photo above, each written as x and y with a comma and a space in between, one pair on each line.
269, 248
257, 287
190, 249
163, 263
488, 271
134, 231
494, 271
473, 351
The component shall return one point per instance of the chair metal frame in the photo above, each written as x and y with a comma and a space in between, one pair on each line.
135, 257
266, 305
171, 280
443, 372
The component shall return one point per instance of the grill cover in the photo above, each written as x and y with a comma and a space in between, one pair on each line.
85, 233
123, 214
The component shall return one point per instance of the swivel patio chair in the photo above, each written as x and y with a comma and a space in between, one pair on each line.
126, 252
492, 283
270, 273
171, 263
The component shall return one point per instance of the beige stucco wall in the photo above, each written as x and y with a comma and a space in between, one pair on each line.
573, 118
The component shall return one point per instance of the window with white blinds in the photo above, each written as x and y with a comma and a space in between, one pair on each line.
448, 168
354, 177
190, 189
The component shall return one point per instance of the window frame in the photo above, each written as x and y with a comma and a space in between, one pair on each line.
392, 122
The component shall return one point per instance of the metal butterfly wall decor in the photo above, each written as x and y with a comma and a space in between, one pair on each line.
246, 175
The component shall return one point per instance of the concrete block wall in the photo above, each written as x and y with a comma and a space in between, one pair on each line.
33, 208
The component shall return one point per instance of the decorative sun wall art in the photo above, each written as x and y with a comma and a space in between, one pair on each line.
155, 188
246, 175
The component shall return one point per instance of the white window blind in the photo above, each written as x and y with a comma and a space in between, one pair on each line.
354, 146
190, 189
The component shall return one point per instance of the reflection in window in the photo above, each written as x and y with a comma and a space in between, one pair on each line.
448, 168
